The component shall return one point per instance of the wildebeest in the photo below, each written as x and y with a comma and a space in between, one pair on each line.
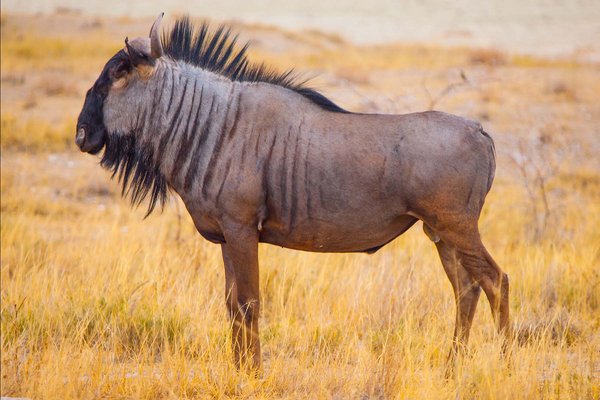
256, 156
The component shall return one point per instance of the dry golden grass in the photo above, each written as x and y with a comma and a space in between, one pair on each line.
98, 303
35, 135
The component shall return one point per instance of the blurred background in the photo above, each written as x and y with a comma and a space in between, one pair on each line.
549, 27
98, 303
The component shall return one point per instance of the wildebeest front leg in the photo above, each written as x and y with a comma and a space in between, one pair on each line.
240, 256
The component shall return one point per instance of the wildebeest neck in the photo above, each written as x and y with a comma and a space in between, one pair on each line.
179, 121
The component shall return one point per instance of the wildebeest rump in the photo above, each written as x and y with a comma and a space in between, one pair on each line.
256, 156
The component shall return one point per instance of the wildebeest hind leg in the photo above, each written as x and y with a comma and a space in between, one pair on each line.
475, 258
466, 294
480, 265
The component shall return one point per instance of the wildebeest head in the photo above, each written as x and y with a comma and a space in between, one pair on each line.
119, 84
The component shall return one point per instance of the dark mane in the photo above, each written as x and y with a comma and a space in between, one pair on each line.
135, 167
216, 52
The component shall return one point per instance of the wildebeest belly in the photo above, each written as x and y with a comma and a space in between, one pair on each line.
331, 237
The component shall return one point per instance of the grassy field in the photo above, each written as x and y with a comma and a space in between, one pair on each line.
98, 303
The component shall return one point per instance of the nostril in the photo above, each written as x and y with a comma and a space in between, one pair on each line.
80, 138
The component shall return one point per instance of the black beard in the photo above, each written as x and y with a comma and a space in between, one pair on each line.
136, 169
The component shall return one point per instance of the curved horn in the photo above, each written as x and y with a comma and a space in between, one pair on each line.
155, 42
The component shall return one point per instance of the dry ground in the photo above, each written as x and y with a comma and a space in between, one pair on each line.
97, 303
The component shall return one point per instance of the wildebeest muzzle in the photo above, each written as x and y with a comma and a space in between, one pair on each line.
91, 132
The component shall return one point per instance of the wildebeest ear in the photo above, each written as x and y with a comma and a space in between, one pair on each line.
137, 57
156, 49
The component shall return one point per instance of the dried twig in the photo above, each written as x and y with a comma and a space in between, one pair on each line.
537, 165
448, 89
